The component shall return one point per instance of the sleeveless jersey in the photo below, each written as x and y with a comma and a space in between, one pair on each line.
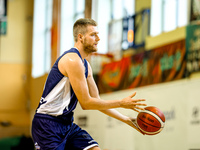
58, 98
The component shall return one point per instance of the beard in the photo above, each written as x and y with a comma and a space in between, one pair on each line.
89, 48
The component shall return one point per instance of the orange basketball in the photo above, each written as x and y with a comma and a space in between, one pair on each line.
151, 121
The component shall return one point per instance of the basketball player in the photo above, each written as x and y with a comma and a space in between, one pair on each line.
70, 81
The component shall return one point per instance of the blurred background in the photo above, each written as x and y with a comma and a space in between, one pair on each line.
148, 46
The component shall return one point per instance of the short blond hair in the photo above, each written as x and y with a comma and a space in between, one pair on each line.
80, 26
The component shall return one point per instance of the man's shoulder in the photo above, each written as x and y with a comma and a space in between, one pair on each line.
71, 58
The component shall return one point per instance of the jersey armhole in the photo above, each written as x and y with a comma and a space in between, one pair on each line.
86, 68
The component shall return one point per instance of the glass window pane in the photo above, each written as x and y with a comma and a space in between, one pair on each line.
103, 21
78, 16
38, 38
129, 6
80, 6
41, 54
67, 20
170, 15
49, 10
182, 13
117, 9
156, 17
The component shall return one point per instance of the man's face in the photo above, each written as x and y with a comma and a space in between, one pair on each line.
90, 39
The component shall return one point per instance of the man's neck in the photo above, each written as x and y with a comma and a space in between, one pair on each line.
81, 51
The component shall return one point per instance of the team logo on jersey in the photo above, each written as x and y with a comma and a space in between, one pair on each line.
37, 146
42, 100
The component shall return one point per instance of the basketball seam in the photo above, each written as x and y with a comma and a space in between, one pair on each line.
150, 124
155, 116
151, 133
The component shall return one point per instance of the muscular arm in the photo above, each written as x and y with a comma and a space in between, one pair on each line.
71, 66
95, 93
110, 112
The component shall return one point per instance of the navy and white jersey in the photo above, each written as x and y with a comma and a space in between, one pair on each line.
58, 98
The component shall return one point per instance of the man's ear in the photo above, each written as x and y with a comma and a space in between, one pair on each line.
80, 37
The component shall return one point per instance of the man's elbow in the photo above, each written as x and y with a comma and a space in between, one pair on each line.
85, 106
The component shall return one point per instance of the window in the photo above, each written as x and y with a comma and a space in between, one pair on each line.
71, 10
167, 15
114, 10
182, 13
129, 7
42, 21
67, 20
79, 9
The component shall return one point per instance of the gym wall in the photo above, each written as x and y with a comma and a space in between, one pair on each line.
179, 101
15, 69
